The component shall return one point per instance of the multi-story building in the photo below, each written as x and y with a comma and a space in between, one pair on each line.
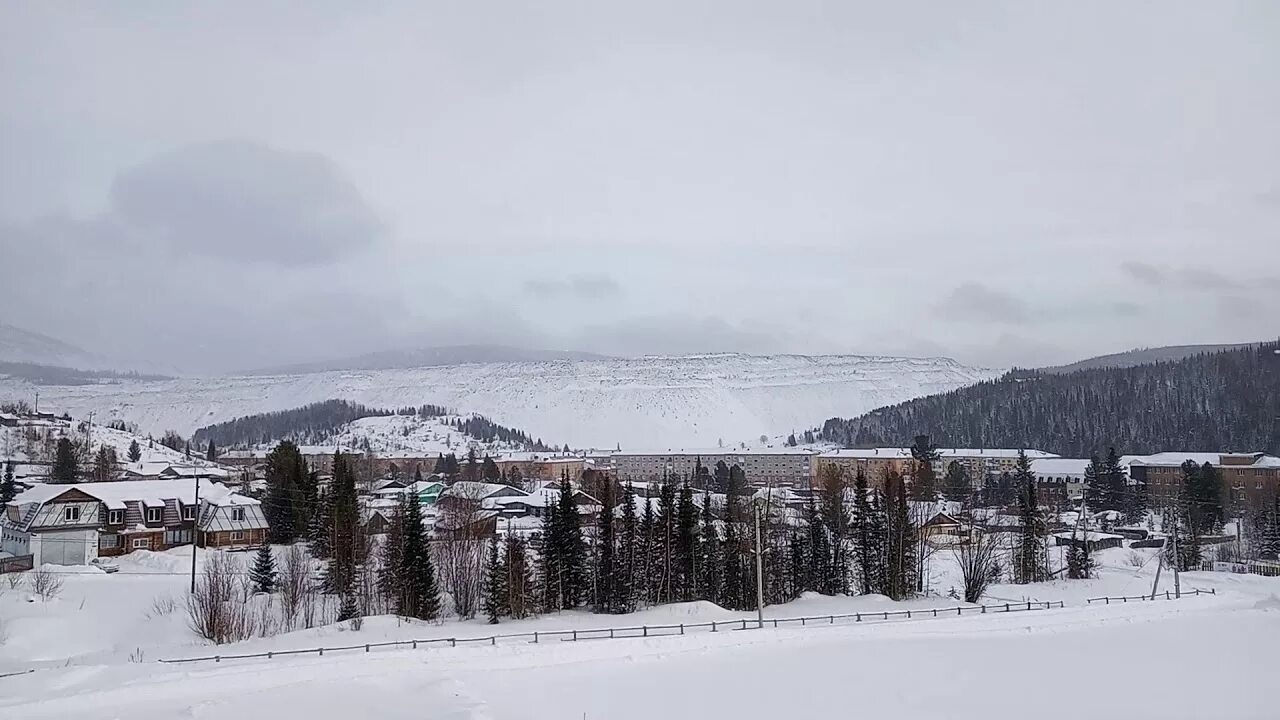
72, 524
1253, 477
778, 467
873, 462
982, 463
1059, 480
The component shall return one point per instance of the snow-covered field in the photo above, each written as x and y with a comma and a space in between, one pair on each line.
1200, 657
644, 402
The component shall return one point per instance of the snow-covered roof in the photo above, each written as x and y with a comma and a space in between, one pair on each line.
477, 490
717, 452
870, 453
1059, 466
151, 492
1257, 460
1091, 535
995, 453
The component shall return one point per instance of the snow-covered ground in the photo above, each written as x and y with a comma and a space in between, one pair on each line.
14, 446
643, 402
1204, 657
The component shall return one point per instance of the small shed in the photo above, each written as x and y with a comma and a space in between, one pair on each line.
1095, 540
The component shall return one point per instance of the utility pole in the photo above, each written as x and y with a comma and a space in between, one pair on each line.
1177, 560
759, 573
1159, 564
194, 525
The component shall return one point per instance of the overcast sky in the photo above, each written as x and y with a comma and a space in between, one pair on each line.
243, 184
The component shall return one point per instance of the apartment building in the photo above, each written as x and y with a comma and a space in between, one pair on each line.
777, 467
1252, 476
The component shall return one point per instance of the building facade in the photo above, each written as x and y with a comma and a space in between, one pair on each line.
776, 467
1246, 477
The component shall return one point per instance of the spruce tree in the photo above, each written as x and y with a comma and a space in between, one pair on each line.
817, 548
263, 574
687, 544
8, 487
734, 573
418, 574
628, 549
835, 519
710, 562
721, 477
65, 467
1093, 486
1114, 487
665, 542
956, 484
868, 539
647, 584
900, 540
211, 452
923, 480
282, 506
319, 533
489, 470
471, 472
519, 579
1030, 563
391, 565
572, 549
451, 467
495, 584
441, 467
344, 529
607, 571
135, 452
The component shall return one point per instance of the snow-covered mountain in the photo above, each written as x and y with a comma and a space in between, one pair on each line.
24, 346
650, 402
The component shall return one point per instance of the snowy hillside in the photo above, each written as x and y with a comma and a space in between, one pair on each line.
650, 402
24, 346
410, 436
33, 443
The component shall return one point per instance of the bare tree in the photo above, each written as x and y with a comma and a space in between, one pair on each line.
978, 556
294, 580
45, 583
214, 610
459, 551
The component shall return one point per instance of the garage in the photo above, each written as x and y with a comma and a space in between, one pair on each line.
64, 548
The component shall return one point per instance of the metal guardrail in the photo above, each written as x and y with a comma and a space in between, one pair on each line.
1168, 595
640, 631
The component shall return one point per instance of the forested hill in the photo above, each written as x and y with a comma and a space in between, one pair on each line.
1226, 400
308, 424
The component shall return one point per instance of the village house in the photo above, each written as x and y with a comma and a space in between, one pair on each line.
1251, 476
74, 523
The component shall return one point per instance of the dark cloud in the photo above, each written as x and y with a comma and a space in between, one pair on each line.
978, 303
581, 287
244, 201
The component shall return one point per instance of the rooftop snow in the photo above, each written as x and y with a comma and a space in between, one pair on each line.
116, 493
1059, 466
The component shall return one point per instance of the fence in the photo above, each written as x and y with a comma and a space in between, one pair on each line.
639, 631
17, 563
1168, 595
1252, 568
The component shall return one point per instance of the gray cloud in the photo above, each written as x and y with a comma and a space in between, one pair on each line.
975, 302
247, 202
580, 287
1145, 273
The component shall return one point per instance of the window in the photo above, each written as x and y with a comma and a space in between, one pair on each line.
115, 517
155, 515
188, 512
236, 535
177, 537
141, 543
108, 541
71, 514
237, 514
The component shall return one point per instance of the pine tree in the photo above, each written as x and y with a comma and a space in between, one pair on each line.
104, 463
1030, 563
496, 592
471, 472
211, 452
440, 467
835, 518
135, 452
721, 477
350, 608
797, 564
1093, 486
923, 482
8, 488
791, 440
817, 549
710, 558
1114, 487
263, 574
451, 467
65, 468
572, 549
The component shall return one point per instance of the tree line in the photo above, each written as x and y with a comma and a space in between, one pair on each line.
1212, 401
